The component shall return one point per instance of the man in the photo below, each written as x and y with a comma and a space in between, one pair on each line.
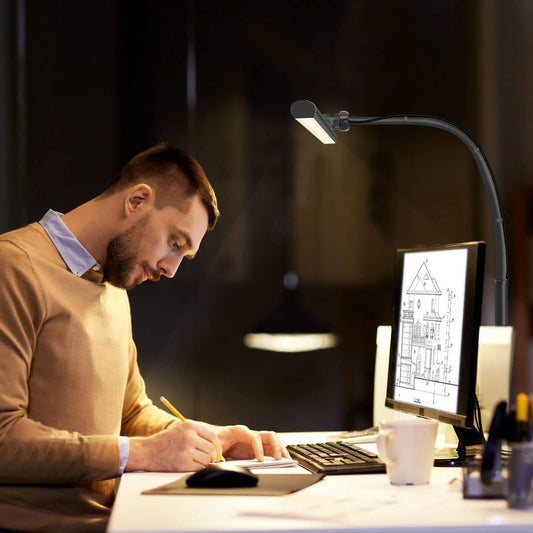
74, 414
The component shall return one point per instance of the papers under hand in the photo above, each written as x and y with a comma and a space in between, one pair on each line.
269, 462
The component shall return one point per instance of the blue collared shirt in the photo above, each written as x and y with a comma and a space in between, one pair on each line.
79, 261
76, 257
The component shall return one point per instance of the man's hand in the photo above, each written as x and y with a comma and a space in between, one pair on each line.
186, 446
239, 442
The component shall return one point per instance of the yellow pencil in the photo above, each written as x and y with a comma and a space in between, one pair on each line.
177, 414
171, 408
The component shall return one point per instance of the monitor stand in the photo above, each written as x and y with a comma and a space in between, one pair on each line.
470, 443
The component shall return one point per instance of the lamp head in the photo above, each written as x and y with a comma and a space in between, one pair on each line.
308, 115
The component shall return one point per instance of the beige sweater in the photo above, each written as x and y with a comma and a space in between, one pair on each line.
69, 385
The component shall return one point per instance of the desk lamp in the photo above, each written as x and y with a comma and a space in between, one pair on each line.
324, 125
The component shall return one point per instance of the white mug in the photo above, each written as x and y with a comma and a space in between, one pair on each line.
407, 448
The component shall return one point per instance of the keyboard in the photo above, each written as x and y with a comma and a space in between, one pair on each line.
336, 458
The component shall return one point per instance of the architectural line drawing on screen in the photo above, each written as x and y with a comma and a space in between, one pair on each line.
431, 322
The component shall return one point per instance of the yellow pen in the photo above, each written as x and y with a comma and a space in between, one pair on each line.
171, 408
177, 414
522, 418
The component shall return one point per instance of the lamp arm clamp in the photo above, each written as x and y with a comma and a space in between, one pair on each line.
342, 121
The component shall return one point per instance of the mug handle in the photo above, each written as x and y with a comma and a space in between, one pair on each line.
382, 440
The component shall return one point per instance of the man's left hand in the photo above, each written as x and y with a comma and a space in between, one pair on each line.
240, 442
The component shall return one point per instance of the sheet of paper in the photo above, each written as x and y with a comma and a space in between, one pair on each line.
316, 507
269, 462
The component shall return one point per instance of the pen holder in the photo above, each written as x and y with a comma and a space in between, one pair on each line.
473, 486
520, 483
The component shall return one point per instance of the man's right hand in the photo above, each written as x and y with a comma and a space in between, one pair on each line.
184, 447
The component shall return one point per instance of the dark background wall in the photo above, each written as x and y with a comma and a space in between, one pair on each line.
88, 84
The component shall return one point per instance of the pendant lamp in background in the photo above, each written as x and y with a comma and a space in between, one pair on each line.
290, 329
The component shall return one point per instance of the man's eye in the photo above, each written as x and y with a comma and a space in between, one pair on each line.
176, 245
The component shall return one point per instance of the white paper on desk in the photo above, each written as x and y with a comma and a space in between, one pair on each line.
338, 508
269, 462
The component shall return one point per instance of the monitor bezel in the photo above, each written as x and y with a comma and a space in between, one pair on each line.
469, 341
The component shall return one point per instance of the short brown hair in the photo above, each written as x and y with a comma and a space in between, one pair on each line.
175, 175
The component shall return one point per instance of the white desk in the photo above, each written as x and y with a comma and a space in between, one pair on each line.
374, 506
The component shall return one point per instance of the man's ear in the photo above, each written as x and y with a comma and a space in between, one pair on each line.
140, 198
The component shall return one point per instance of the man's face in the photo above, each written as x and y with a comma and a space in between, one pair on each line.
154, 245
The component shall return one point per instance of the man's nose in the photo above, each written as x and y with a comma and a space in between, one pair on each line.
169, 265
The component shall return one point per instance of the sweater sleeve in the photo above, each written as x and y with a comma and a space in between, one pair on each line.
31, 452
140, 416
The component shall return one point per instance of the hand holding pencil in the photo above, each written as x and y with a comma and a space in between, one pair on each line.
191, 445
182, 447
178, 415
240, 442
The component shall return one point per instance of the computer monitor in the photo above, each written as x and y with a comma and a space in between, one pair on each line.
435, 328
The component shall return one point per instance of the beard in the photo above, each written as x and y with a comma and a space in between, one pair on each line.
122, 256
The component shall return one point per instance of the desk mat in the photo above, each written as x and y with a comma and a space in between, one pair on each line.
268, 485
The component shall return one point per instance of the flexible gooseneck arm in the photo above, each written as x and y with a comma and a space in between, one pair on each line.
342, 121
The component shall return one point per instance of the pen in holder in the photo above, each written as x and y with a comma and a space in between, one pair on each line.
520, 493
487, 478
503, 473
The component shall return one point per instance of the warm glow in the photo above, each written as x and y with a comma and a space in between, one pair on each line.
291, 343
316, 129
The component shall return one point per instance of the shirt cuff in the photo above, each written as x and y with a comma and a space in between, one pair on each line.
124, 447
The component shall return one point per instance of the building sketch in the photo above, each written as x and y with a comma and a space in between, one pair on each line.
425, 364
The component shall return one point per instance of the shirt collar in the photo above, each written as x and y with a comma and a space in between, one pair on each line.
78, 260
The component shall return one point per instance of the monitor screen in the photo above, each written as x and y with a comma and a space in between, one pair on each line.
435, 328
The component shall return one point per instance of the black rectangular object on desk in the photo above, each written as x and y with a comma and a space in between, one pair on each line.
268, 485
336, 458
